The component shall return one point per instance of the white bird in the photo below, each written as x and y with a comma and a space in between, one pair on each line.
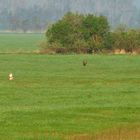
11, 77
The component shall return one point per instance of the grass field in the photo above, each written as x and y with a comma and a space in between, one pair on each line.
19, 43
56, 98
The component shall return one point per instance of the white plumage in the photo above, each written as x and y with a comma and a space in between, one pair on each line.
11, 77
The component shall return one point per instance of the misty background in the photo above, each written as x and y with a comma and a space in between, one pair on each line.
36, 15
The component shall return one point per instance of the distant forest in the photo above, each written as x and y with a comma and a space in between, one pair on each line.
36, 15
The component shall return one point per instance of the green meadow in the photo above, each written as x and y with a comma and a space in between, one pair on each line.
54, 97
19, 43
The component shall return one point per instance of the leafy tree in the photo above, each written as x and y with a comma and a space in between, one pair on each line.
65, 31
94, 31
79, 31
109, 41
60, 32
95, 26
126, 39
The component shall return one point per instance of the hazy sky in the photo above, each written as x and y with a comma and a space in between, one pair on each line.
137, 3
32, 14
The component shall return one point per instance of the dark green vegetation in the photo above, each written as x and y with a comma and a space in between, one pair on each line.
87, 34
129, 40
78, 31
19, 43
54, 97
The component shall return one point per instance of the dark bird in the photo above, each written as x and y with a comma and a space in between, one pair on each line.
84, 62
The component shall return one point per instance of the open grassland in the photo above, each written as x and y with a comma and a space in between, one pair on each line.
19, 43
56, 98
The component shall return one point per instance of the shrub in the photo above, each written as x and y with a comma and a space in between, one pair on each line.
127, 40
78, 33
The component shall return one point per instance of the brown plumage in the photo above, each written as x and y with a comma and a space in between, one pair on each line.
84, 62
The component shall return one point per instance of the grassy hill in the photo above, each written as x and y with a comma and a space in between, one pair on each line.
56, 98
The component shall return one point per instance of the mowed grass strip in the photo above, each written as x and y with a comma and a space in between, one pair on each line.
20, 42
55, 97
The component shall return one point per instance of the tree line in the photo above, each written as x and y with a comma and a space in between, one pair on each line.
78, 33
36, 15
